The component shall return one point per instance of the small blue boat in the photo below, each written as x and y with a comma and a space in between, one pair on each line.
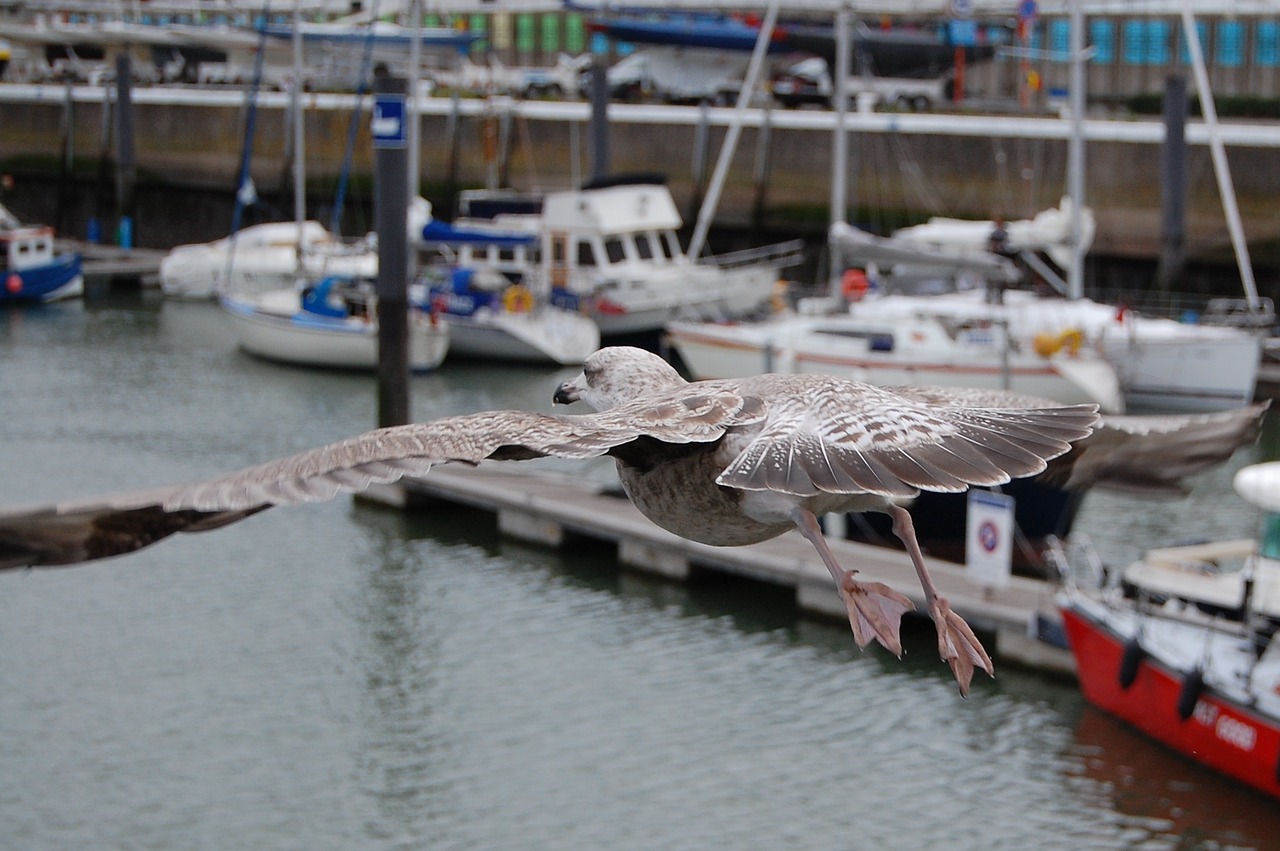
31, 268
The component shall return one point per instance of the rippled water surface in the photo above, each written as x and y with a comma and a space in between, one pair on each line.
343, 676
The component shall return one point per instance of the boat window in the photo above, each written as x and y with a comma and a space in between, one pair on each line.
1269, 546
557, 249
877, 341
506, 254
615, 250
670, 246
644, 247
586, 253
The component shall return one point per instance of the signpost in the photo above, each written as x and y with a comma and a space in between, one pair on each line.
989, 538
391, 205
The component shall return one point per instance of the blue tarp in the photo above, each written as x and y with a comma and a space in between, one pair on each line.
442, 232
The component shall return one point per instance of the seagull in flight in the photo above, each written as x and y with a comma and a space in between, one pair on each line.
726, 462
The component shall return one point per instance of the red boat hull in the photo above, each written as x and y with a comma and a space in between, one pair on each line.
1220, 733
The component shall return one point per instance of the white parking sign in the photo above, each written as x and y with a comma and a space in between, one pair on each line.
989, 538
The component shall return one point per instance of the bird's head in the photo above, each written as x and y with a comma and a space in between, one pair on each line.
617, 374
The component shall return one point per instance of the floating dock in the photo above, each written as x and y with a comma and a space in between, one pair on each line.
106, 266
553, 510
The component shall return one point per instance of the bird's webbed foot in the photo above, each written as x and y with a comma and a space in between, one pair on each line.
875, 611
957, 645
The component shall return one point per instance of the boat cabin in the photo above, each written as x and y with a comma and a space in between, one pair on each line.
25, 247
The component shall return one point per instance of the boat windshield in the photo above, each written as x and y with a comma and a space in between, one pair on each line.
1269, 544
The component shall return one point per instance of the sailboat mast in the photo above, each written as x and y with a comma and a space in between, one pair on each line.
1075, 152
295, 111
415, 78
839, 143
1219, 155
708, 210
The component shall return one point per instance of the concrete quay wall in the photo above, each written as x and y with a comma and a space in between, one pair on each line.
779, 180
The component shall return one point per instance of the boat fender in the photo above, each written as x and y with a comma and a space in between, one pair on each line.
1047, 345
1130, 662
13, 284
1189, 696
517, 299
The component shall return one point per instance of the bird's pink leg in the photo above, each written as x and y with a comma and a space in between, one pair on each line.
957, 644
875, 609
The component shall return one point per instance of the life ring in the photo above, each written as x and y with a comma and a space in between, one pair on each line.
13, 283
1047, 344
517, 299
854, 284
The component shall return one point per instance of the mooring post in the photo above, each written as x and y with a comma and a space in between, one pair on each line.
1173, 184
66, 167
391, 205
599, 118
126, 170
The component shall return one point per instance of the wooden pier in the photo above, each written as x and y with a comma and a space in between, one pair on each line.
552, 510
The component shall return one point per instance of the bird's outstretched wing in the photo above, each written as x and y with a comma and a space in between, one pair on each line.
1149, 456
828, 435
1152, 456
85, 529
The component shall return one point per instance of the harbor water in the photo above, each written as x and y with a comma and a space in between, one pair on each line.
347, 676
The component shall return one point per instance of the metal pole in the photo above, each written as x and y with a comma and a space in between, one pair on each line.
126, 170
839, 143
391, 205
599, 118
415, 81
1075, 152
709, 204
1173, 183
1219, 154
299, 129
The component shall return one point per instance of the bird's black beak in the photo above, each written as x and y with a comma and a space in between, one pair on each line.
566, 394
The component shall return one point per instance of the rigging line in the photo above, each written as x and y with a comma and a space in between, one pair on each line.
913, 176
244, 183
251, 120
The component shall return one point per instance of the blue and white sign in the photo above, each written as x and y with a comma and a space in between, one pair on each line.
962, 32
388, 124
989, 538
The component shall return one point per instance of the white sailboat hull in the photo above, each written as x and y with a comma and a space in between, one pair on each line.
269, 327
541, 336
890, 354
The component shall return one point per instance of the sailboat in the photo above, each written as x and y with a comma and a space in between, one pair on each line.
1162, 364
328, 321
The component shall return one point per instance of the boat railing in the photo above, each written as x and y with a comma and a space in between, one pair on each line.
1191, 308
780, 255
1077, 563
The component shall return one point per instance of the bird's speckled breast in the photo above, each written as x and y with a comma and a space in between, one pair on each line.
683, 497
